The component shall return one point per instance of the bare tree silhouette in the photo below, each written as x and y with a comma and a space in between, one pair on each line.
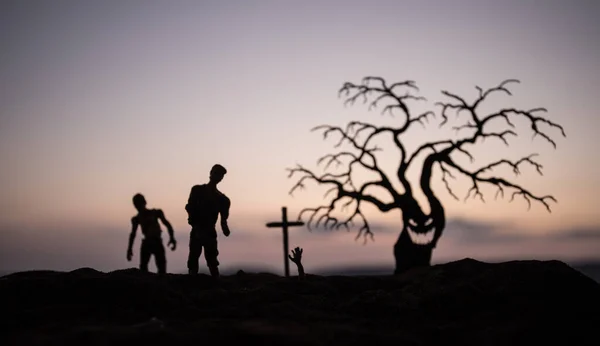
409, 253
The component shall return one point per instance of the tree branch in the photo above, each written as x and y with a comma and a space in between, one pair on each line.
330, 179
501, 183
323, 213
478, 124
500, 88
445, 174
534, 121
356, 158
354, 91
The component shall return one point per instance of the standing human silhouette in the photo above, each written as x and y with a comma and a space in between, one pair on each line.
205, 203
152, 243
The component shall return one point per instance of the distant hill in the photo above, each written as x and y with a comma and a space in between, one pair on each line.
591, 269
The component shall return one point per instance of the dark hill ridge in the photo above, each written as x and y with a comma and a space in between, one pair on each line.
464, 303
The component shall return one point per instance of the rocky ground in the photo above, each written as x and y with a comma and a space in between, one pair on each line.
459, 303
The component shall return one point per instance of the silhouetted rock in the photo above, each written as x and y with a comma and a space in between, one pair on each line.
465, 302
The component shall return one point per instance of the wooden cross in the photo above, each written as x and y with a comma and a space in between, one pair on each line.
284, 224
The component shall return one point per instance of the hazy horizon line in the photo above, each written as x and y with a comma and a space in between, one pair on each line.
377, 266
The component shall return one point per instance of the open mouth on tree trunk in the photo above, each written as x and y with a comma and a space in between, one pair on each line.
421, 234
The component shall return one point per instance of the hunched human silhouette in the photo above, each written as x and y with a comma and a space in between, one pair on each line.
152, 244
204, 206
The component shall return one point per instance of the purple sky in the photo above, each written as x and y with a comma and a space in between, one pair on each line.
101, 100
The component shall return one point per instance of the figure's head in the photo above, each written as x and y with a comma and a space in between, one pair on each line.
139, 201
217, 173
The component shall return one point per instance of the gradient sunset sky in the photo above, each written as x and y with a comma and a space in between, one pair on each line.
103, 99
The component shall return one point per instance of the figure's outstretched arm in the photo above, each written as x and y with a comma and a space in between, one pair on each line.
163, 219
225, 215
225, 209
134, 226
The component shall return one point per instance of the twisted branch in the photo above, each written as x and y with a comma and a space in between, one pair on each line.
500, 183
323, 213
383, 91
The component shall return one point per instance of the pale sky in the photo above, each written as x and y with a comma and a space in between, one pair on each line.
102, 100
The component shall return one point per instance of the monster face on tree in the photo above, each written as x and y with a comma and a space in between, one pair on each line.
420, 231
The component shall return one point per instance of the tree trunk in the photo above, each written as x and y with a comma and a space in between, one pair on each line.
410, 255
